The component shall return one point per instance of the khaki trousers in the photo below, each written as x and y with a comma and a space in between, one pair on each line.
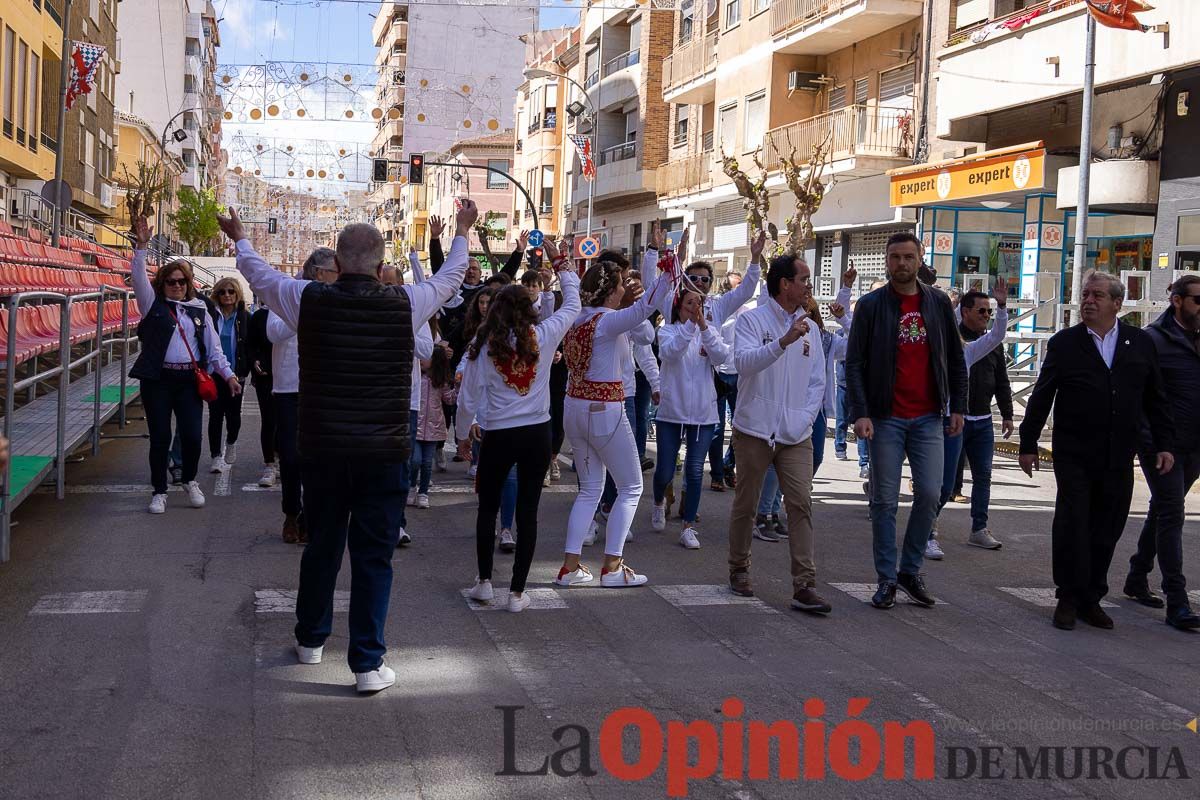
794, 466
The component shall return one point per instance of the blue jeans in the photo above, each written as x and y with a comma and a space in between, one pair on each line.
951, 450
670, 436
921, 440
355, 503
420, 467
843, 424
979, 442
610, 489
770, 500
820, 430
641, 413
508, 500
720, 460
405, 478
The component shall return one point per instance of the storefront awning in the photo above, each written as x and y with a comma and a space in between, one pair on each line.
1012, 169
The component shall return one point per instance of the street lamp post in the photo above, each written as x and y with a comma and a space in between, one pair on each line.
534, 72
162, 143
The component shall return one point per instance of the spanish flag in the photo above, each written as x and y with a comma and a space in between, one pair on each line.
1118, 13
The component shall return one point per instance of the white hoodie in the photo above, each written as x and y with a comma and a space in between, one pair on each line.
688, 357
780, 390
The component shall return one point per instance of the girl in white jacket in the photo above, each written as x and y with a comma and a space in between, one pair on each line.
597, 349
689, 348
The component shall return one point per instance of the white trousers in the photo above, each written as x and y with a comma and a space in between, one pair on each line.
601, 440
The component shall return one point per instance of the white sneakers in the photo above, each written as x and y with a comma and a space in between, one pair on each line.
517, 602
404, 538
933, 550
158, 504
229, 454
658, 517
580, 574
983, 538
194, 495
440, 459
376, 680
219, 464
309, 655
555, 472
507, 542
270, 475
422, 501
482, 591
689, 539
621, 578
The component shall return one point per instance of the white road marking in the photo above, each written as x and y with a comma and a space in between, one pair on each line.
864, 592
118, 602
283, 601
1041, 596
221, 487
539, 600
708, 595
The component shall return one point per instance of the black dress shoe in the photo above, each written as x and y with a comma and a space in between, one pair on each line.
1143, 595
914, 587
1064, 615
1094, 615
1183, 618
885, 595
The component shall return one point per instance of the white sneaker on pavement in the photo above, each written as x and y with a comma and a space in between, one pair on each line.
983, 538
689, 539
482, 591
507, 542
404, 538
555, 471
933, 550
580, 574
440, 460
218, 465
546, 479
517, 602
623, 577
270, 475
658, 517
412, 499
376, 680
229, 454
309, 655
158, 504
194, 495
422, 501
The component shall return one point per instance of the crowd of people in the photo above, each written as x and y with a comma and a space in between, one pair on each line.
364, 381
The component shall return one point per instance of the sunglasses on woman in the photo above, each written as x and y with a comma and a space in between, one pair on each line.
176, 282
228, 291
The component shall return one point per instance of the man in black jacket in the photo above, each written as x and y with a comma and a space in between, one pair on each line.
904, 370
1176, 337
1101, 377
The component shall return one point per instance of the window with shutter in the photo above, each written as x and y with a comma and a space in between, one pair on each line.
837, 98
897, 82
860, 91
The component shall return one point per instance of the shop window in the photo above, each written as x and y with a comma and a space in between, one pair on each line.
1188, 234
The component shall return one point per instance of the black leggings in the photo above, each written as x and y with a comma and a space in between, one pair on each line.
558, 393
529, 448
266, 411
173, 393
228, 409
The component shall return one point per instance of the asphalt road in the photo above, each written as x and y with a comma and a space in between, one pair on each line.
151, 657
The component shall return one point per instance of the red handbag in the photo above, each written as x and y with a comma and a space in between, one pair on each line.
206, 387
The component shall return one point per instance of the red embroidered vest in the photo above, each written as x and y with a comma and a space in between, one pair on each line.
577, 349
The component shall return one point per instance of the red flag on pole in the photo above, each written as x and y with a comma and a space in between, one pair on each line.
1118, 13
85, 61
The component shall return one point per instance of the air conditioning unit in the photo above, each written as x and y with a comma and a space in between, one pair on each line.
806, 81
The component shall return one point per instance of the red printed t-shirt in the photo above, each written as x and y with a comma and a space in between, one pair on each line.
915, 394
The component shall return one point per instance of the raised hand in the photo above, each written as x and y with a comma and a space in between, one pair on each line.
657, 238
756, 247
849, 276
232, 226
466, 217
681, 251
140, 230
523, 241
837, 309
1000, 291
547, 245
437, 226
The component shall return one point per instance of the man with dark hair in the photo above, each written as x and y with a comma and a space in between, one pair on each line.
1176, 337
1102, 379
781, 376
356, 342
904, 369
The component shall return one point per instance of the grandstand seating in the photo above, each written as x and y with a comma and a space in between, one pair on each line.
39, 327
28, 264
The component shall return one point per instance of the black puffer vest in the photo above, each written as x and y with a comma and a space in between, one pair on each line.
356, 356
155, 332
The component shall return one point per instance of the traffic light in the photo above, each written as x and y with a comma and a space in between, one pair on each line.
272, 224
416, 168
379, 170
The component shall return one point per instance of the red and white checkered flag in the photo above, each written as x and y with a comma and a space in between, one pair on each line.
85, 63
583, 146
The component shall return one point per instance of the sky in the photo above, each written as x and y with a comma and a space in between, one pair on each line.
256, 31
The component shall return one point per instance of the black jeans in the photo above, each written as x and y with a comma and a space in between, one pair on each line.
173, 393
355, 503
287, 420
529, 448
225, 409
266, 411
1090, 511
1162, 535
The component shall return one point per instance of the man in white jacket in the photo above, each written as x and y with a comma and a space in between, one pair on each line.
781, 389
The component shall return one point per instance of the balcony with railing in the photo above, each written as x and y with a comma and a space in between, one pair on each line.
689, 73
541, 123
861, 140
819, 27
620, 152
627, 59
695, 172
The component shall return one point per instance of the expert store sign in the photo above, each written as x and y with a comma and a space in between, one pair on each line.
968, 178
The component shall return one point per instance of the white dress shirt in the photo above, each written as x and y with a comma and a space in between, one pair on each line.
1106, 344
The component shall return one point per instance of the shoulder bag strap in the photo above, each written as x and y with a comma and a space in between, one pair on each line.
186, 344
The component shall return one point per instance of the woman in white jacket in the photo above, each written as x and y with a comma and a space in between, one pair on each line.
597, 349
689, 348
505, 393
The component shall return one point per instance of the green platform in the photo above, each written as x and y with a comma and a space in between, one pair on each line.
108, 394
26, 469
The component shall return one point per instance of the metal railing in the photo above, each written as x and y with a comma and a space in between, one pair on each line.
690, 61
592, 80
789, 14
851, 131
692, 173
621, 152
627, 59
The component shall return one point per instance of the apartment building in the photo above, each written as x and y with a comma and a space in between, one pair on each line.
168, 80
440, 80
1008, 99
138, 143
755, 79
491, 191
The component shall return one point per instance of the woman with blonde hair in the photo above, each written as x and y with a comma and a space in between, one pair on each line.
232, 322
177, 337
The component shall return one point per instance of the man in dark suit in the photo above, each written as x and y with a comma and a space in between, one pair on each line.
1101, 377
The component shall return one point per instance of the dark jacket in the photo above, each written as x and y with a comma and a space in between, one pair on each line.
989, 378
1098, 411
871, 353
155, 332
258, 346
1179, 364
241, 326
356, 358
